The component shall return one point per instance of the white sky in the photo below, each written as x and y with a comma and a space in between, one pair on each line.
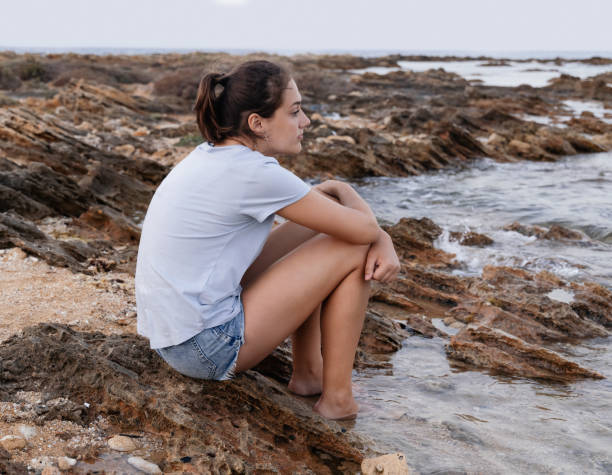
310, 25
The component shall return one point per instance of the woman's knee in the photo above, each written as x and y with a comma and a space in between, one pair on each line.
354, 254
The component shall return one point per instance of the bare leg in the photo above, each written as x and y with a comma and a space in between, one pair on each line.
307, 377
321, 268
341, 324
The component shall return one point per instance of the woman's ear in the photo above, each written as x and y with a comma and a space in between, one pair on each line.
256, 124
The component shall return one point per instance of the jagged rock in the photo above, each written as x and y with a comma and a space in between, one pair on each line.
413, 240
16, 232
593, 302
430, 289
380, 334
115, 226
382, 294
471, 239
49, 188
500, 352
534, 321
120, 373
555, 232
14, 200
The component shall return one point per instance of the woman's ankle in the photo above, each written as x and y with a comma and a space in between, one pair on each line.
306, 381
337, 406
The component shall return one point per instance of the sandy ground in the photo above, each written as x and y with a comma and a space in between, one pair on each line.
32, 292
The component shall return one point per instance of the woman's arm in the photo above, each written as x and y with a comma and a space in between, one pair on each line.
325, 213
349, 219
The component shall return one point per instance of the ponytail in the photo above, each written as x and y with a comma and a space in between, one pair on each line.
207, 107
252, 87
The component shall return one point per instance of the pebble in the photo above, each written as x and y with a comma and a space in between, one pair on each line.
12, 442
144, 465
66, 463
386, 464
121, 443
27, 431
40, 463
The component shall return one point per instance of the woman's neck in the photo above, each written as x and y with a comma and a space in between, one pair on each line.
236, 141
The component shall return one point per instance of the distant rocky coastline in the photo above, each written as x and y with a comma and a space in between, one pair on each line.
84, 141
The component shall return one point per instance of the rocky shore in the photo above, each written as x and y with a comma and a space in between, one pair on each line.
84, 141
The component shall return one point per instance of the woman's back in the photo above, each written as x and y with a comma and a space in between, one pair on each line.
207, 222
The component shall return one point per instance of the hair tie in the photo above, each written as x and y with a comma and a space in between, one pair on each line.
219, 85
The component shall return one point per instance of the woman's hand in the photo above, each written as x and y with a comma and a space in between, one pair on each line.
382, 263
329, 188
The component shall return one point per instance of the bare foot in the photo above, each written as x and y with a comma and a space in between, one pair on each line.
305, 387
338, 410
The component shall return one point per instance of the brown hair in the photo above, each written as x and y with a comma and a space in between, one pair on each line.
252, 87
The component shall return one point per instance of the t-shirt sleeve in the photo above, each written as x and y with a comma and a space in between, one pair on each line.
269, 188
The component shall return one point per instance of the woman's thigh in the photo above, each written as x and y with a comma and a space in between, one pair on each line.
283, 239
278, 301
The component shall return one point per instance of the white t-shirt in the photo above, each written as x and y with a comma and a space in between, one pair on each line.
206, 224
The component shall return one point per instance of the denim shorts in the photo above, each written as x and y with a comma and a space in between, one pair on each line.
211, 354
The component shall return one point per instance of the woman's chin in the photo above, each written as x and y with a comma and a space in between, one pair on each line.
289, 150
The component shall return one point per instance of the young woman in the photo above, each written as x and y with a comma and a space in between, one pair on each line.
216, 289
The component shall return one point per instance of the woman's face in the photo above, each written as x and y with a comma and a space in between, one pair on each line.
285, 129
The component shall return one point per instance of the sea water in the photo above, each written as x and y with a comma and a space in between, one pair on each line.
447, 419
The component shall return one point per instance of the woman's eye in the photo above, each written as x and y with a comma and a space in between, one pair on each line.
296, 112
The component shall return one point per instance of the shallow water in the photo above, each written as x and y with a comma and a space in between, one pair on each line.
575, 192
513, 73
445, 418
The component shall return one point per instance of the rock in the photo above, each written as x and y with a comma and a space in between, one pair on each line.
379, 335
121, 372
413, 240
12, 442
331, 139
40, 463
557, 233
390, 464
498, 351
127, 149
554, 233
527, 151
122, 443
144, 465
49, 188
27, 431
111, 224
141, 132
9, 467
471, 238
66, 463
50, 470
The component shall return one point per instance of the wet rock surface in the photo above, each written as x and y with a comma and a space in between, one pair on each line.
85, 140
